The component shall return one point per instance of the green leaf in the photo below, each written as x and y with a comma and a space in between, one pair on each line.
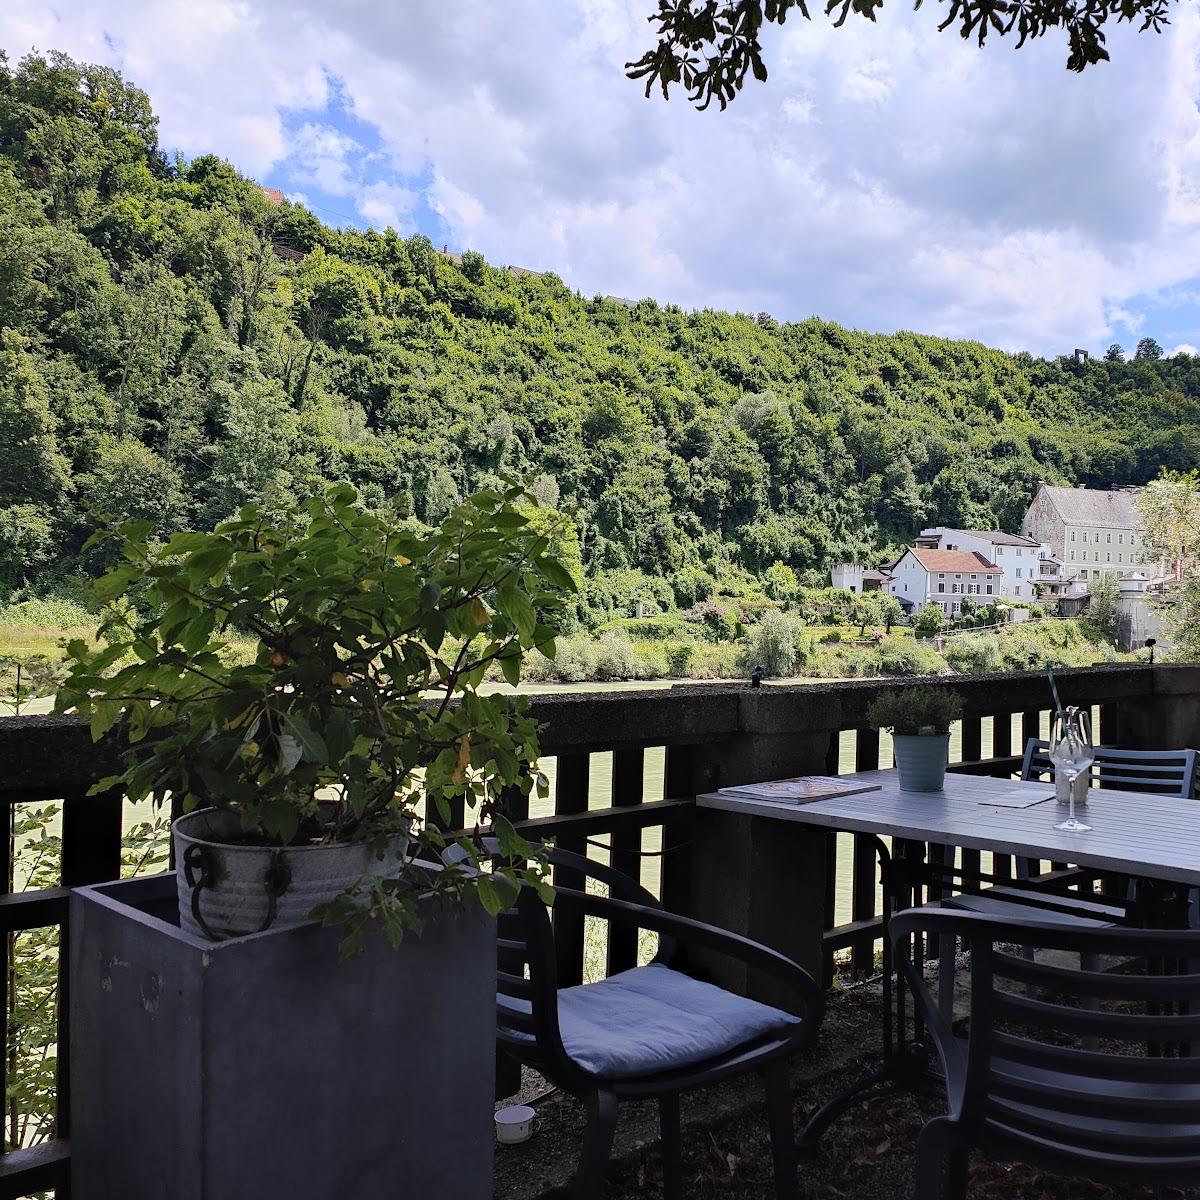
489, 896
312, 743
290, 753
557, 574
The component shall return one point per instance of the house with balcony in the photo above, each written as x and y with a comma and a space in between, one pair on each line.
1023, 561
927, 575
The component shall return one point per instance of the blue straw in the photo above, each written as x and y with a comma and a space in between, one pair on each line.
1054, 688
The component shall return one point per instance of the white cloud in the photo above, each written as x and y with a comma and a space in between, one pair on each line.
387, 204
1186, 348
325, 157
886, 176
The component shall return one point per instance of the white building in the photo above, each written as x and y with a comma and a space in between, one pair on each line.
1091, 532
923, 575
1022, 561
854, 577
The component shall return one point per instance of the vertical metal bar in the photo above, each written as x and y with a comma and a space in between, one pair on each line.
833, 753
829, 915
570, 799
676, 860
1001, 735
5, 981
91, 853
1108, 733
1031, 726
972, 739
628, 783
866, 758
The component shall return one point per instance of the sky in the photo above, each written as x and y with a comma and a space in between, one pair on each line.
886, 176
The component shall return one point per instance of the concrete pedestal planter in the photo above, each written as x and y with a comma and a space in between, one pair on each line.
267, 1066
226, 888
921, 761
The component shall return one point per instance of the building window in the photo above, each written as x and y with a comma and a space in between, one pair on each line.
1120, 539
1072, 535
954, 588
1108, 538
1018, 572
941, 587
1018, 551
1108, 556
1120, 557
1017, 589
941, 574
1083, 574
989, 589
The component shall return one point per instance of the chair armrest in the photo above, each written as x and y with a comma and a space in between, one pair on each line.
710, 937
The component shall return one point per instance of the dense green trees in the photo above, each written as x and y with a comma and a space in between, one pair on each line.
173, 344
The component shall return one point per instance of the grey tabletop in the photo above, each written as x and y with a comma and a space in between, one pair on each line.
1155, 837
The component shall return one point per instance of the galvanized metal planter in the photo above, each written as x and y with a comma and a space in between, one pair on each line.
921, 761
268, 1066
230, 889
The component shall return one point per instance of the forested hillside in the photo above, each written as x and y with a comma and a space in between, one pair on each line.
172, 344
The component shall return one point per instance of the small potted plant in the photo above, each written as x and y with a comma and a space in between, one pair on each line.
919, 720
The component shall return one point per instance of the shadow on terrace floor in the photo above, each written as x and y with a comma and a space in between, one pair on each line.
868, 1155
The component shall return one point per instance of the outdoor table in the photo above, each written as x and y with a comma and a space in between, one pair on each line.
1138, 834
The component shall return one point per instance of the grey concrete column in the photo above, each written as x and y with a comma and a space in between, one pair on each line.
761, 878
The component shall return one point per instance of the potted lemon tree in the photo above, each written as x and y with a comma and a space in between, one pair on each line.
304, 688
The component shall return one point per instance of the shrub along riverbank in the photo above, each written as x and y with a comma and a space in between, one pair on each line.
698, 646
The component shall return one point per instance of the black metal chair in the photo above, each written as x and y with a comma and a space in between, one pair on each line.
648, 1033
1055, 1081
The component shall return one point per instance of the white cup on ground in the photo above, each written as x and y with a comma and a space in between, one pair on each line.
514, 1124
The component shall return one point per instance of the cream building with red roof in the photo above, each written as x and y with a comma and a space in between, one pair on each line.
943, 577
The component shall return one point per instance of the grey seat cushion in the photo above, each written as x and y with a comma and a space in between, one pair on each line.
653, 1019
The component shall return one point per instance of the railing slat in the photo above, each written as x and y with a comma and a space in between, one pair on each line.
627, 792
570, 799
1001, 735
676, 885
972, 739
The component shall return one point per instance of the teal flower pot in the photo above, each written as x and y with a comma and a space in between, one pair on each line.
921, 761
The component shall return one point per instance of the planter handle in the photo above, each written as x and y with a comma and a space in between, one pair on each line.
201, 872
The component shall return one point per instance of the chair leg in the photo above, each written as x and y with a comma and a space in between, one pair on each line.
672, 1148
783, 1132
941, 1162
597, 1146
947, 954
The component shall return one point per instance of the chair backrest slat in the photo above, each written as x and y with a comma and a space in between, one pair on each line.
513, 985
1092, 1064
1106, 985
1124, 1026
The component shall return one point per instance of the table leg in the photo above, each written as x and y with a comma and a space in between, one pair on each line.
905, 1063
